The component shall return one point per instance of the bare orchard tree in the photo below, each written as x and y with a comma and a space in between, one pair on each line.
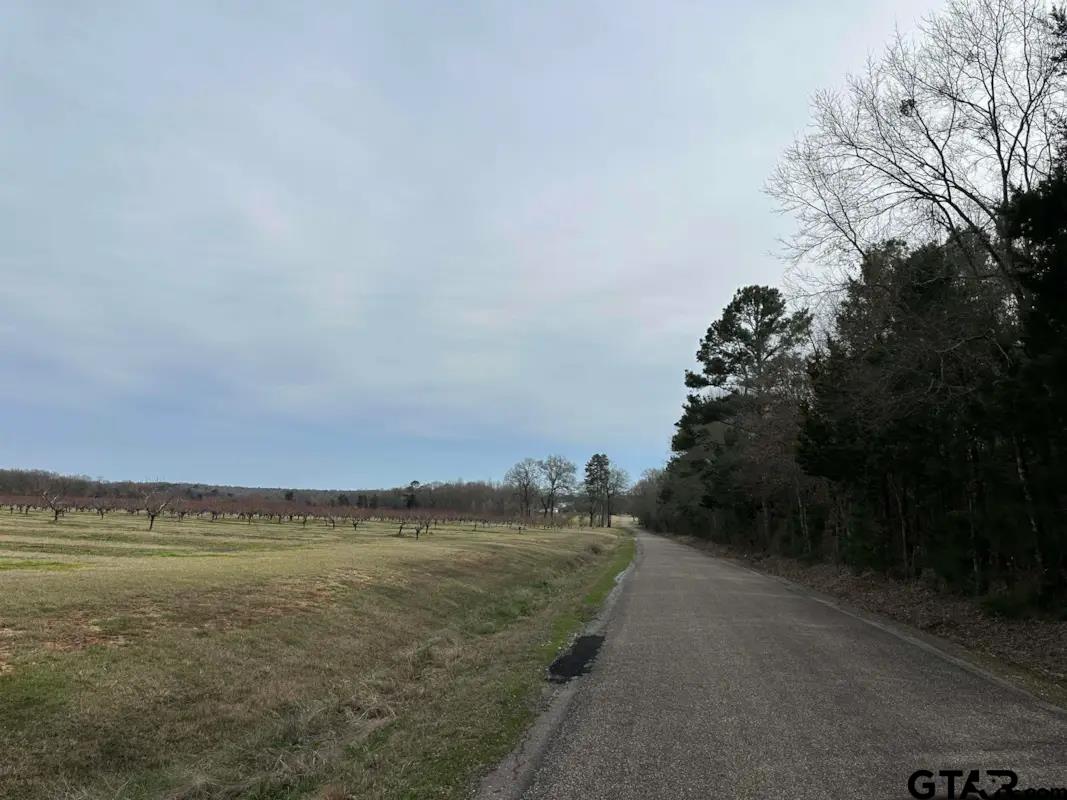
54, 499
155, 503
523, 478
931, 138
558, 476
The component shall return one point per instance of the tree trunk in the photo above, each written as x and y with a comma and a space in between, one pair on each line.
802, 514
903, 528
971, 488
1024, 483
766, 525
975, 568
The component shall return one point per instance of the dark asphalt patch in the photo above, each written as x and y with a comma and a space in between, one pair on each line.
576, 660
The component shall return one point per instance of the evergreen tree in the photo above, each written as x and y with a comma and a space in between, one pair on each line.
595, 487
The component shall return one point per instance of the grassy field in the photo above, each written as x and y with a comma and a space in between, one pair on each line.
234, 660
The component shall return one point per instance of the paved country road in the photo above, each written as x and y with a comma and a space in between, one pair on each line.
714, 681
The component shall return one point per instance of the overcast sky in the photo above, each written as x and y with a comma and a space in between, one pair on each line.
355, 244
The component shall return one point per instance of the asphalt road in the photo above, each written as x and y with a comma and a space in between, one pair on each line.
714, 681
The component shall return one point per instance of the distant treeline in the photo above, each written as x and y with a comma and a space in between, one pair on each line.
912, 419
532, 488
475, 497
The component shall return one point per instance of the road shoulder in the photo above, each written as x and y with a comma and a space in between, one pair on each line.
509, 779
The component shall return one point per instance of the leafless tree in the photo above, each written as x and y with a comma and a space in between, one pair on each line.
155, 503
930, 139
617, 483
55, 500
180, 508
523, 478
100, 505
558, 476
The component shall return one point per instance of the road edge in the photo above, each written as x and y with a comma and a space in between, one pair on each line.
513, 775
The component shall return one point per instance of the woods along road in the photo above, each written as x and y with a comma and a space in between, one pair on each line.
715, 681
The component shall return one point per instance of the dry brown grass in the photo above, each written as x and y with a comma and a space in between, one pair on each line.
326, 664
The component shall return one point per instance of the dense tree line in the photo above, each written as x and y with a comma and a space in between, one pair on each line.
915, 420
